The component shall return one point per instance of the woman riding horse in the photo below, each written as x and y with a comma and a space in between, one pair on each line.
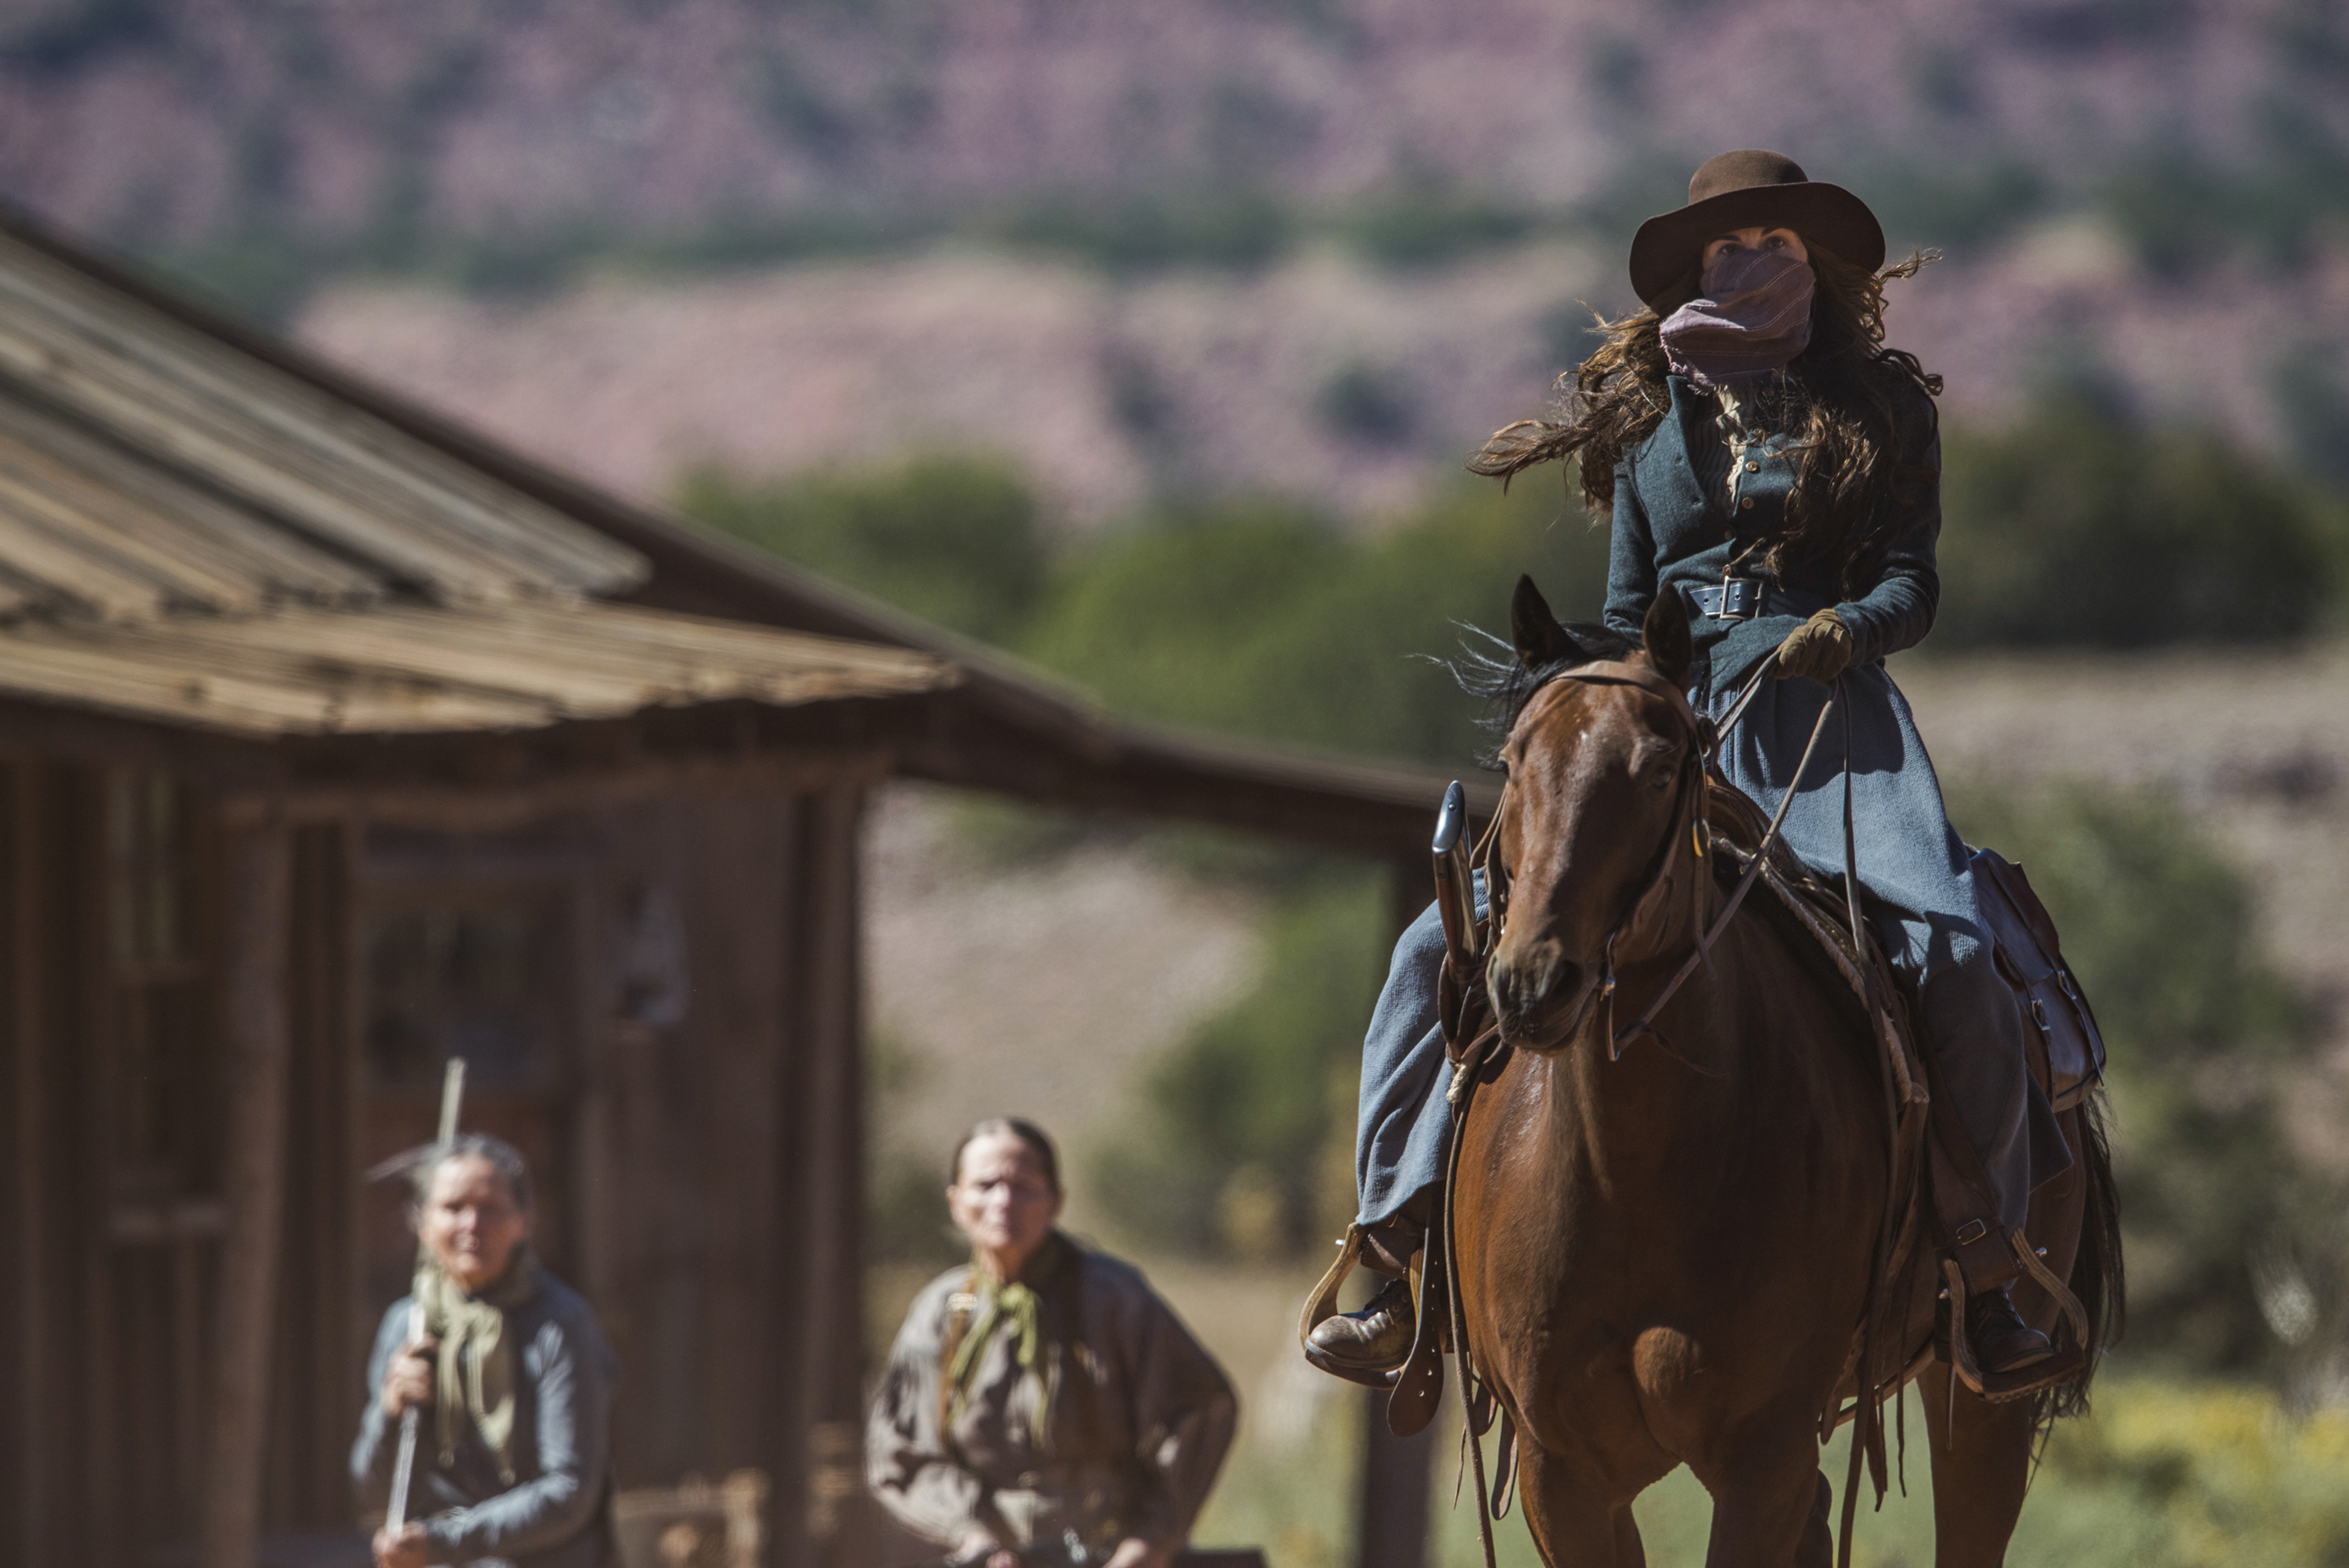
1766, 457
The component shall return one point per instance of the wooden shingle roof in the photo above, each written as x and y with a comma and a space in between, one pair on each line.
146, 467
191, 535
409, 669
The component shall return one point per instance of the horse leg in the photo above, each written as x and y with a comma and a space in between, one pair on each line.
1575, 1523
1981, 1472
1631, 1551
1770, 1506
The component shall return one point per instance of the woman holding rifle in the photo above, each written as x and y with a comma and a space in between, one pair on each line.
513, 1379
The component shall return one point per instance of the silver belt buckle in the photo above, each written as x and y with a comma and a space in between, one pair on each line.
1734, 599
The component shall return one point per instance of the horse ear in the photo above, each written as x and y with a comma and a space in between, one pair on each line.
1539, 638
1665, 635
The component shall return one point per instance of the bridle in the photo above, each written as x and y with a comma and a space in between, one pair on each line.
1688, 835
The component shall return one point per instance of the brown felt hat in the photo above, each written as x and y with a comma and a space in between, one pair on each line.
1744, 189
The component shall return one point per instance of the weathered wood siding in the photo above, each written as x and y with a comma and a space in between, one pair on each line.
722, 1153
698, 1133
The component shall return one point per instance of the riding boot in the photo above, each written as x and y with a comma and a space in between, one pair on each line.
2001, 1341
1376, 1339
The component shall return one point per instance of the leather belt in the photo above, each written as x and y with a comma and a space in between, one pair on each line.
1738, 598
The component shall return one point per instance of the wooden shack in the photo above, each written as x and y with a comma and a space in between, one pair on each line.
334, 741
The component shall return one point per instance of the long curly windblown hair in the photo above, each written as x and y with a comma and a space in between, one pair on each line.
1839, 403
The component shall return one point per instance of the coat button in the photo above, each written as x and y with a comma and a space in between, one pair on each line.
1746, 505
1753, 468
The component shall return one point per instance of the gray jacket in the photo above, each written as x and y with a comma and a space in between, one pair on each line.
1126, 1443
557, 1512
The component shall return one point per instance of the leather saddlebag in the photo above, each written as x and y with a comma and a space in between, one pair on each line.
2061, 1034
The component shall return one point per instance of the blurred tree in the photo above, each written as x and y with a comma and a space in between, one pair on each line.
1428, 225
2203, 1035
2074, 527
1235, 229
2313, 397
1224, 1152
1260, 619
1368, 407
953, 539
1973, 205
1176, 618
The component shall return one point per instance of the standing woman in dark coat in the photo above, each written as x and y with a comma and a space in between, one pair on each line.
1765, 456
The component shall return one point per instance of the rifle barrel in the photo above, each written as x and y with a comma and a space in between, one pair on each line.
403, 1469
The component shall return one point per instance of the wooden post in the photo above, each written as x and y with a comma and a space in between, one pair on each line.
33, 1452
1398, 1473
834, 1268
817, 1505
258, 1036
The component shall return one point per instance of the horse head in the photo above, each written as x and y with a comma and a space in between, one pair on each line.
1605, 772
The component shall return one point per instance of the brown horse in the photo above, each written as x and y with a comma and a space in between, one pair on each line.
1663, 1257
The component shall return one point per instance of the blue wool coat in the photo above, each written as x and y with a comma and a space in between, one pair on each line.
1671, 536
1668, 534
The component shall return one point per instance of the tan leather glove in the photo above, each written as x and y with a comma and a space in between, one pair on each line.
1817, 649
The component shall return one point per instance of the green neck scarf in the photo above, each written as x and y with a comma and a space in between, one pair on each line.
1014, 1302
475, 1375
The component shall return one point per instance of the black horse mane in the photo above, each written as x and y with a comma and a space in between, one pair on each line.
1488, 668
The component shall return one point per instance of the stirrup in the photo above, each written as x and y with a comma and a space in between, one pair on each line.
1322, 1305
2065, 1365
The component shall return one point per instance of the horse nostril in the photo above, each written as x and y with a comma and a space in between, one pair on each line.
1524, 982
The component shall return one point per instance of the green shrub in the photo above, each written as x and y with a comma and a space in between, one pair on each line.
1970, 206
2182, 1476
1241, 230
1421, 227
2312, 396
2186, 214
2075, 527
955, 540
1253, 616
1258, 618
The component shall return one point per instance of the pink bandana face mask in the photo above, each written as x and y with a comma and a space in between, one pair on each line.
1754, 316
